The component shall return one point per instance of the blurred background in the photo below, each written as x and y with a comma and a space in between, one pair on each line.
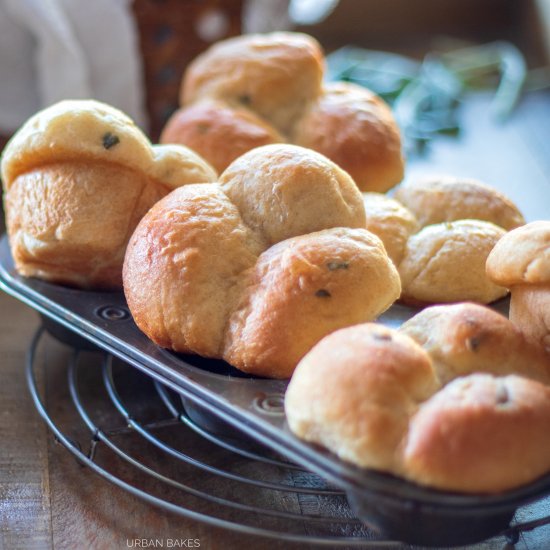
132, 54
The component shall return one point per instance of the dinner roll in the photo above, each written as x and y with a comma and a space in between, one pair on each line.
355, 128
522, 256
284, 190
466, 337
257, 89
77, 177
218, 132
275, 75
355, 391
301, 290
521, 262
480, 434
256, 270
446, 263
439, 199
370, 395
182, 274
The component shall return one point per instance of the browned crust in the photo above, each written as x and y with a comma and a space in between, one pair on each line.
275, 75
423, 409
258, 269
480, 434
278, 77
467, 337
355, 128
70, 222
217, 132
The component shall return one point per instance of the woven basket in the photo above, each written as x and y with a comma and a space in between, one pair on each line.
172, 33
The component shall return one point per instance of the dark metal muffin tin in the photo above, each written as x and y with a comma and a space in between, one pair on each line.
221, 398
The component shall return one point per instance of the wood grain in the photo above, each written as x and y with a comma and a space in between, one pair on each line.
25, 518
108, 517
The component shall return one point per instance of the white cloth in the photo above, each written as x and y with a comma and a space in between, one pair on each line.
68, 49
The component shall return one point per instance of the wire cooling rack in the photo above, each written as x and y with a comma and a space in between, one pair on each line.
116, 404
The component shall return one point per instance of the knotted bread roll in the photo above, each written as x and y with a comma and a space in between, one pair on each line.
372, 396
277, 79
78, 176
258, 269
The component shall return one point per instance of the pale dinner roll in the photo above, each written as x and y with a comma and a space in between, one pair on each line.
283, 191
446, 263
256, 270
521, 262
439, 199
466, 337
274, 75
218, 132
391, 221
355, 391
77, 177
355, 128
370, 395
70, 129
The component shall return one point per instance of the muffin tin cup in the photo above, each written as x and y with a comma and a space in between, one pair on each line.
415, 523
236, 406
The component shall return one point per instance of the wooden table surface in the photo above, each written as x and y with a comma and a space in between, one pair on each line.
47, 500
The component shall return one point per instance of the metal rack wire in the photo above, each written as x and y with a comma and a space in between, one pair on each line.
319, 514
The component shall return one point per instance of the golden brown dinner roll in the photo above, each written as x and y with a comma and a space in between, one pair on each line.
355, 391
480, 434
391, 221
466, 337
183, 269
521, 262
446, 263
284, 190
370, 395
301, 290
274, 75
439, 199
77, 178
258, 269
355, 128
273, 82
218, 132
